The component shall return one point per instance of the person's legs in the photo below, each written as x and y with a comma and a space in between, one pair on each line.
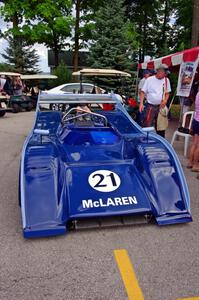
151, 115
148, 118
161, 133
196, 156
191, 152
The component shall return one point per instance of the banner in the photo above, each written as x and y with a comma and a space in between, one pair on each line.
186, 77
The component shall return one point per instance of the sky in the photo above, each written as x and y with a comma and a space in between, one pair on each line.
41, 50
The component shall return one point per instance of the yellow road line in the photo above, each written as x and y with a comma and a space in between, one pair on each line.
192, 298
128, 275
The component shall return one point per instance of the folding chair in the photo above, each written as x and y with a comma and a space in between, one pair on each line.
186, 136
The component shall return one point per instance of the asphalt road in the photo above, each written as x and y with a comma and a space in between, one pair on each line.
81, 265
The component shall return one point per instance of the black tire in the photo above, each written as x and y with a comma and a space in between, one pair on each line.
15, 108
2, 113
29, 107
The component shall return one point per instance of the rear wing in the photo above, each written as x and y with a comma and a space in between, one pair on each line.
45, 98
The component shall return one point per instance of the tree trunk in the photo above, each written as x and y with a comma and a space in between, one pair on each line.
140, 47
144, 36
56, 56
17, 40
195, 24
76, 50
15, 21
164, 23
15, 25
55, 50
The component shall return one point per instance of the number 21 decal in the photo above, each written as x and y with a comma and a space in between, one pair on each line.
104, 180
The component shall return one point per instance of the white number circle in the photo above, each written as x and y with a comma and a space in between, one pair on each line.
104, 181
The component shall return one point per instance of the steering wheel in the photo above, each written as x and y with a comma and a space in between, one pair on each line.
66, 118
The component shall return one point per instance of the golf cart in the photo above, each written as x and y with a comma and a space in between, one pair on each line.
34, 83
3, 106
100, 73
20, 103
15, 103
130, 104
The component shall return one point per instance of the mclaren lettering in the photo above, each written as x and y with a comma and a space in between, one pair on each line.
118, 201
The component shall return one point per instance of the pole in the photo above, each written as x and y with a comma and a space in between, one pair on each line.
81, 85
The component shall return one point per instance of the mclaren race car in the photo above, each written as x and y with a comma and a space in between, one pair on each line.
91, 164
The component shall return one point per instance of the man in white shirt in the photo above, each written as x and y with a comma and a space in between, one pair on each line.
156, 90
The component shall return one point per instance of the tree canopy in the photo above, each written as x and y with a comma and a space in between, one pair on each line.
21, 57
47, 22
114, 32
112, 41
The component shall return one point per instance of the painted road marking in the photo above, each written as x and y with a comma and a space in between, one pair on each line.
127, 272
129, 278
193, 298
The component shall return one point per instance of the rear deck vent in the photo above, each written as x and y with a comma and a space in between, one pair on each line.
109, 222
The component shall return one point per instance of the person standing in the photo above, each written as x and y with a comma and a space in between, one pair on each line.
194, 150
146, 74
17, 86
2, 83
156, 90
8, 86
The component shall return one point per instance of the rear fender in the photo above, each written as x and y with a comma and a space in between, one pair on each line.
40, 193
163, 177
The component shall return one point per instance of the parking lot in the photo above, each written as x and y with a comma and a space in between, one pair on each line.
81, 265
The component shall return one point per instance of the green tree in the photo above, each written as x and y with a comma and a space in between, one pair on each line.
195, 24
112, 38
4, 67
19, 53
113, 42
163, 25
144, 15
85, 12
181, 30
23, 58
47, 22
62, 73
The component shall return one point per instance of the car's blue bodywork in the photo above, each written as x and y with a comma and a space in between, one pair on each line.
134, 172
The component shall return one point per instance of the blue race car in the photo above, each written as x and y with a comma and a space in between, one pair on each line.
93, 165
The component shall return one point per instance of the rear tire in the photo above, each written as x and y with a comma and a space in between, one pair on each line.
29, 107
16, 108
2, 113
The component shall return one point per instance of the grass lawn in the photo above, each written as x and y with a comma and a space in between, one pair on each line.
175, 111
